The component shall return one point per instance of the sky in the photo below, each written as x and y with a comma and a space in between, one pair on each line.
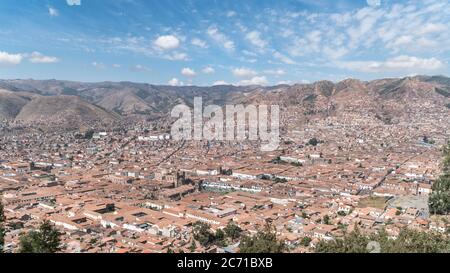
213, 42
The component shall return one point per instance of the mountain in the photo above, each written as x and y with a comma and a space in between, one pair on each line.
63, 110
127, 98
11, 103
385, 100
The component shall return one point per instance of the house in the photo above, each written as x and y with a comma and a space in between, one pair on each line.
411, 212
424, 189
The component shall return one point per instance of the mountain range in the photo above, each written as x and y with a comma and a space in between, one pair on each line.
69, 102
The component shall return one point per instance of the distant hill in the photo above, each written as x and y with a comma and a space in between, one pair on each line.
388, 100
127, 98
11, 103
63, 110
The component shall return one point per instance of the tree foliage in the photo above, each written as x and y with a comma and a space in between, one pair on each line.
233, 231
408, 241
439, 200
205, 236
219, 238
44, 240
264, 241
305, 241
313, 142
193, 247
446, 163
202, 233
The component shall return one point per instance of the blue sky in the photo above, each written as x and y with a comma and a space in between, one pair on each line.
207, 42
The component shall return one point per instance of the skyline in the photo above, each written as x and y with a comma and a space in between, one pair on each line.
222, 42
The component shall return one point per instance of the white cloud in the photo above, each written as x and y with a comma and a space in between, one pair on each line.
231, 13
188, 72
254, 81
175, 82
220, 83
167, 42
284, 82
220, 38
37, 57
374, 3
248, 60
361, 32
73, 2
208, 70
400, 63
403, 40
53, 12
244, 72
116, 66
140, 68
254, 37
98, 65
353, 39
431, 28
249, 53
159, 48
177, 56
382, 28
283, 58
6, 58
335, 53
415, 29
199, 43
310, 43
277, 72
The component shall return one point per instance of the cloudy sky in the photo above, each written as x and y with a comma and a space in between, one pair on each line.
207, 42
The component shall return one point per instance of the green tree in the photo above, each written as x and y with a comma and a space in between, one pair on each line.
439, 199
313, 142
446, 163
193, 247
44, 240
353, 242
264, 241
219, 238
326, 220
2, 227
305, 241
89, 134
233, 231
408, 241
203, 234
411, 241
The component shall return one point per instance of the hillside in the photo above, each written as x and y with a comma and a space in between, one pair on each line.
11, 103
63, 110
385, 100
